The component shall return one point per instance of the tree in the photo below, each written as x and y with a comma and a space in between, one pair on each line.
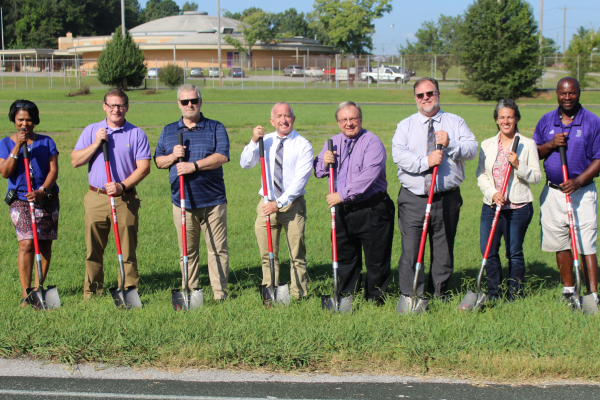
258, 27
348, 24
189, 7
289, 24
500, 49
156, 9
121, 63
243, 15
435, 38
171, 75
578, 57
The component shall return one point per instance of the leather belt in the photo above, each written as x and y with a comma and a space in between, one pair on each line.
102, 191
372, 202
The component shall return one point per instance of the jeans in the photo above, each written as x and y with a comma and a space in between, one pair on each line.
512, 224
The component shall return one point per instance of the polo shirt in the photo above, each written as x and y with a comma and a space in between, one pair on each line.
202, 188
126, 145
583, 142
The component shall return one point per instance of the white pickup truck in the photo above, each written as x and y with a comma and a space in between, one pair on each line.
385, 74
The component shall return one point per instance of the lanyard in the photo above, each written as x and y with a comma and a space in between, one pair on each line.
349, 151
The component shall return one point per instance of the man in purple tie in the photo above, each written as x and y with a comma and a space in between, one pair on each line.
364, 211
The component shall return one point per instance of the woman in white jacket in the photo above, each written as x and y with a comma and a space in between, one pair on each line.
517, 210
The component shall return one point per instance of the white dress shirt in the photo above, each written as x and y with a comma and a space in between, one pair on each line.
297, 164
409, 151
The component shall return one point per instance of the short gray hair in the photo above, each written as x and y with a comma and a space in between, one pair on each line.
188, 88
348, 104
279, 103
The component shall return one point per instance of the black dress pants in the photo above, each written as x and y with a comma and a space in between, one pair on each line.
370, 230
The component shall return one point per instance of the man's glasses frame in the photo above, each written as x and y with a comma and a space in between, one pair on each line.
113, 106
193, 101
429, 94
346, 120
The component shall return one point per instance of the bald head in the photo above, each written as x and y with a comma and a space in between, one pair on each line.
569, 80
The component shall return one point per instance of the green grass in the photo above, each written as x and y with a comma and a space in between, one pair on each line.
531, 339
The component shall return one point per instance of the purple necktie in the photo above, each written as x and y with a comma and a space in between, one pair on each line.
344, 165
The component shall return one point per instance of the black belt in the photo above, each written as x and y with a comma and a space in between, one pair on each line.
438, 194
102, 191
371, 202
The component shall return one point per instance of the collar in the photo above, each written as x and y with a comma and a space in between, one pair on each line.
199, 125
437, 117
290, 136
576, 121
114, 130
354, 139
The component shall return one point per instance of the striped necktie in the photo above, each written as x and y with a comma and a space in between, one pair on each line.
430, 149
278, 172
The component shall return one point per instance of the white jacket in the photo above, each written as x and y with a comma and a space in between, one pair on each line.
529, 172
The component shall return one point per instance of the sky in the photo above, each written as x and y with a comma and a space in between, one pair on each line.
407, 18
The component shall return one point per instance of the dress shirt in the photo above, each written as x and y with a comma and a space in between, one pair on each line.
366, 172
409, 151
297, 164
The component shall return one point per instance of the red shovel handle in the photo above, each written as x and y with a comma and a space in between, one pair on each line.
563, 161
182, 202
332, 190
112, 199
263, 170
428, 211
31, 205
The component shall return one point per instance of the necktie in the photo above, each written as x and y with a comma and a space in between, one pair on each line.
430, 149
278, 173
345, 163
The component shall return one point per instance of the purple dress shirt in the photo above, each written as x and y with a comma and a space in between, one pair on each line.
366, 167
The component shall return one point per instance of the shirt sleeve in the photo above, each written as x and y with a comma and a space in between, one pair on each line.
403, 157
222, 141
4, 148
52, 147
538, 134
143, 148
160, 146
374, 159
84, 140
462, 146
250, 156
321, 170
301, 175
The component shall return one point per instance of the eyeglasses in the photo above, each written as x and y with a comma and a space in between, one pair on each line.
193, 101
113, 106
346, 120
26, 105
429, 94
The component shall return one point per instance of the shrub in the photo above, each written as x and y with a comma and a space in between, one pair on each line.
171, 75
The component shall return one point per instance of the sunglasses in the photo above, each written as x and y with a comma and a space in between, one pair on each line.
26, 106
193, 101
429, 94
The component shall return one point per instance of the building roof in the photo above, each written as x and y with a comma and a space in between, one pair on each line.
190, 22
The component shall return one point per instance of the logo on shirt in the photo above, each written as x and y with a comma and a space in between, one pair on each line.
578, 133
127, 145
551, 132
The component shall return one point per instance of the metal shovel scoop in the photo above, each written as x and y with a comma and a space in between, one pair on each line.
183, 299
334, 303
274, 293
127, 298
40, 299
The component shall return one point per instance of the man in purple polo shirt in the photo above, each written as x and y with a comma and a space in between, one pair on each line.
578, 130
364, 211
129, 155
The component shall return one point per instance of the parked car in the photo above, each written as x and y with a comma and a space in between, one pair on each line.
329, 72
196, 73
410, 72
385, 74
315, 72
153, 72
213, 72
293, 70
236, 73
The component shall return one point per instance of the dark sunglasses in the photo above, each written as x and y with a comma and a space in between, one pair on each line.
193, 101
429, 94
27, 105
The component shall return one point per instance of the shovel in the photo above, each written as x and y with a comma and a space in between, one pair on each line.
274, 293
586, 304
127, 298
40, 299
473, 301
327, 303
416, 305
183, 299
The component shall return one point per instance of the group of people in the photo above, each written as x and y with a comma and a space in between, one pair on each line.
364, 211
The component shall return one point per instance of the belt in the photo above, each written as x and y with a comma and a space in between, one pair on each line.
102, 191
371, 202
438, 194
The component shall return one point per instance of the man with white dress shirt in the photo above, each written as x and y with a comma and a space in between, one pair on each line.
288, 158
414, 152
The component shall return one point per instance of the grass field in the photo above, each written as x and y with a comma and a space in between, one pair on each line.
529, 340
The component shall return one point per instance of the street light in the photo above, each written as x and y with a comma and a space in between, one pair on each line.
219, 40
393, 41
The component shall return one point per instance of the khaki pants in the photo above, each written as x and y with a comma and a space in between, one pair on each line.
98, 222
292, 218
213, 222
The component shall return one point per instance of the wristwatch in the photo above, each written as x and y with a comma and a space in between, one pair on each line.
279, 204
43, 189
13, 156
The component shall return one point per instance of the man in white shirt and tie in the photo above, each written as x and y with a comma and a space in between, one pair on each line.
288, 158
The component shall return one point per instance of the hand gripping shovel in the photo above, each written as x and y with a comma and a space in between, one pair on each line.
586, 304
270, 294
328, 303
183, 299
123, 298
39, 299
407, 305
473, 301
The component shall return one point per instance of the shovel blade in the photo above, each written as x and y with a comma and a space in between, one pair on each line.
421, 306
405, 305
469, 302
194, 300
344, 306
129, 299
269, 297
47, 299
589, 305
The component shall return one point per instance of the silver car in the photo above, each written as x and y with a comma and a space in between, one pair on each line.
213, 72
314, 71
293, 70
153, 72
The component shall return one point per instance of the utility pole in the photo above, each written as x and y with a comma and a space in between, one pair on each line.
219, 41
541, 28
393, 41
564, 49
123, 17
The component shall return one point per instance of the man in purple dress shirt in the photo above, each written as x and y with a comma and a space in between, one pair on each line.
578, 130
129, 155
364, 211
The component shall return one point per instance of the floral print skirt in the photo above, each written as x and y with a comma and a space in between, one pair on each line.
46, 219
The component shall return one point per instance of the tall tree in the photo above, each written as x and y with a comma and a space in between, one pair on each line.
121, 64
156, 9
258, 27
500, 49
187, 6
437, 38
290, 23
240, 16
348, 24
579, 58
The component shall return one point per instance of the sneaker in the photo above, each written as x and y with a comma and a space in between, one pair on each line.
568, 299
